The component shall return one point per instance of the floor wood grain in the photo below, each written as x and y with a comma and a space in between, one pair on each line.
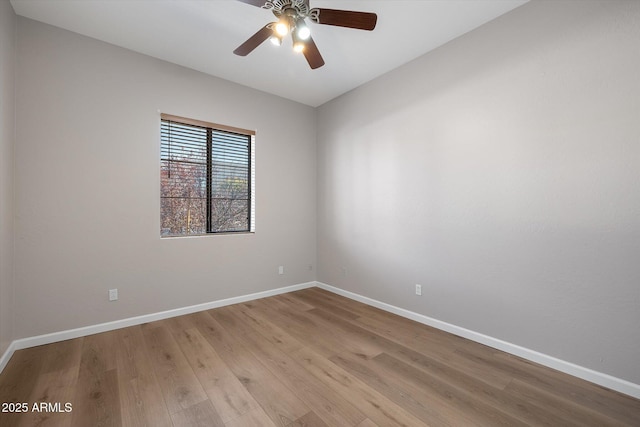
307, 358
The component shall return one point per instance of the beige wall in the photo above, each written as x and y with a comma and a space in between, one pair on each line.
88, 195
7, 116
500, 172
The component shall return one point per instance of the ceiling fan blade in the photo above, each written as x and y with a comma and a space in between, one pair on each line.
312, 54
347, 18
258, 3
254, 41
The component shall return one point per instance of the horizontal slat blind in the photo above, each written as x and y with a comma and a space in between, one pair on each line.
229, 181
206, 180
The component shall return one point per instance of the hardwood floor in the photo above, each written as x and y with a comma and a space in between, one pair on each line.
307, 358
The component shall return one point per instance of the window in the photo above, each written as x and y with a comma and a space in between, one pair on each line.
206, 178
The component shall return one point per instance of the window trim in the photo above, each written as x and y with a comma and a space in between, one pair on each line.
251, 165
201, 123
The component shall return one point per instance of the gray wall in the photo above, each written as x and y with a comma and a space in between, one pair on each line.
7, 116
88, 191
500, 172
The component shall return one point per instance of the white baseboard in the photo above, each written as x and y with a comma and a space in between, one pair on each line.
117, 324
605, 380
7, 355
587, 374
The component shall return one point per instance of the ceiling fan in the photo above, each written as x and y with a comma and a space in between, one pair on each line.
291, 16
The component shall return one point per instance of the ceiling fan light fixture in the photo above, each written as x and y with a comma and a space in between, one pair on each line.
302, 30
276, 39
282, 27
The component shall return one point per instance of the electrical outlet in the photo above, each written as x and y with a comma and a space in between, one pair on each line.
281, 269
310, 267
344, 272
418, 289
113, 294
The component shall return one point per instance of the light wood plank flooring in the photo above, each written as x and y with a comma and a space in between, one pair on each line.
307, 358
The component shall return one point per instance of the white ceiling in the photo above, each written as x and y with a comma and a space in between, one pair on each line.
202, 34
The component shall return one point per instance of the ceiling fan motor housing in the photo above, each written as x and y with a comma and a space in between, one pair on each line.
292, 8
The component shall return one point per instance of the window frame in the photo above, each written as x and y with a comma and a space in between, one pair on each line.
210, 127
